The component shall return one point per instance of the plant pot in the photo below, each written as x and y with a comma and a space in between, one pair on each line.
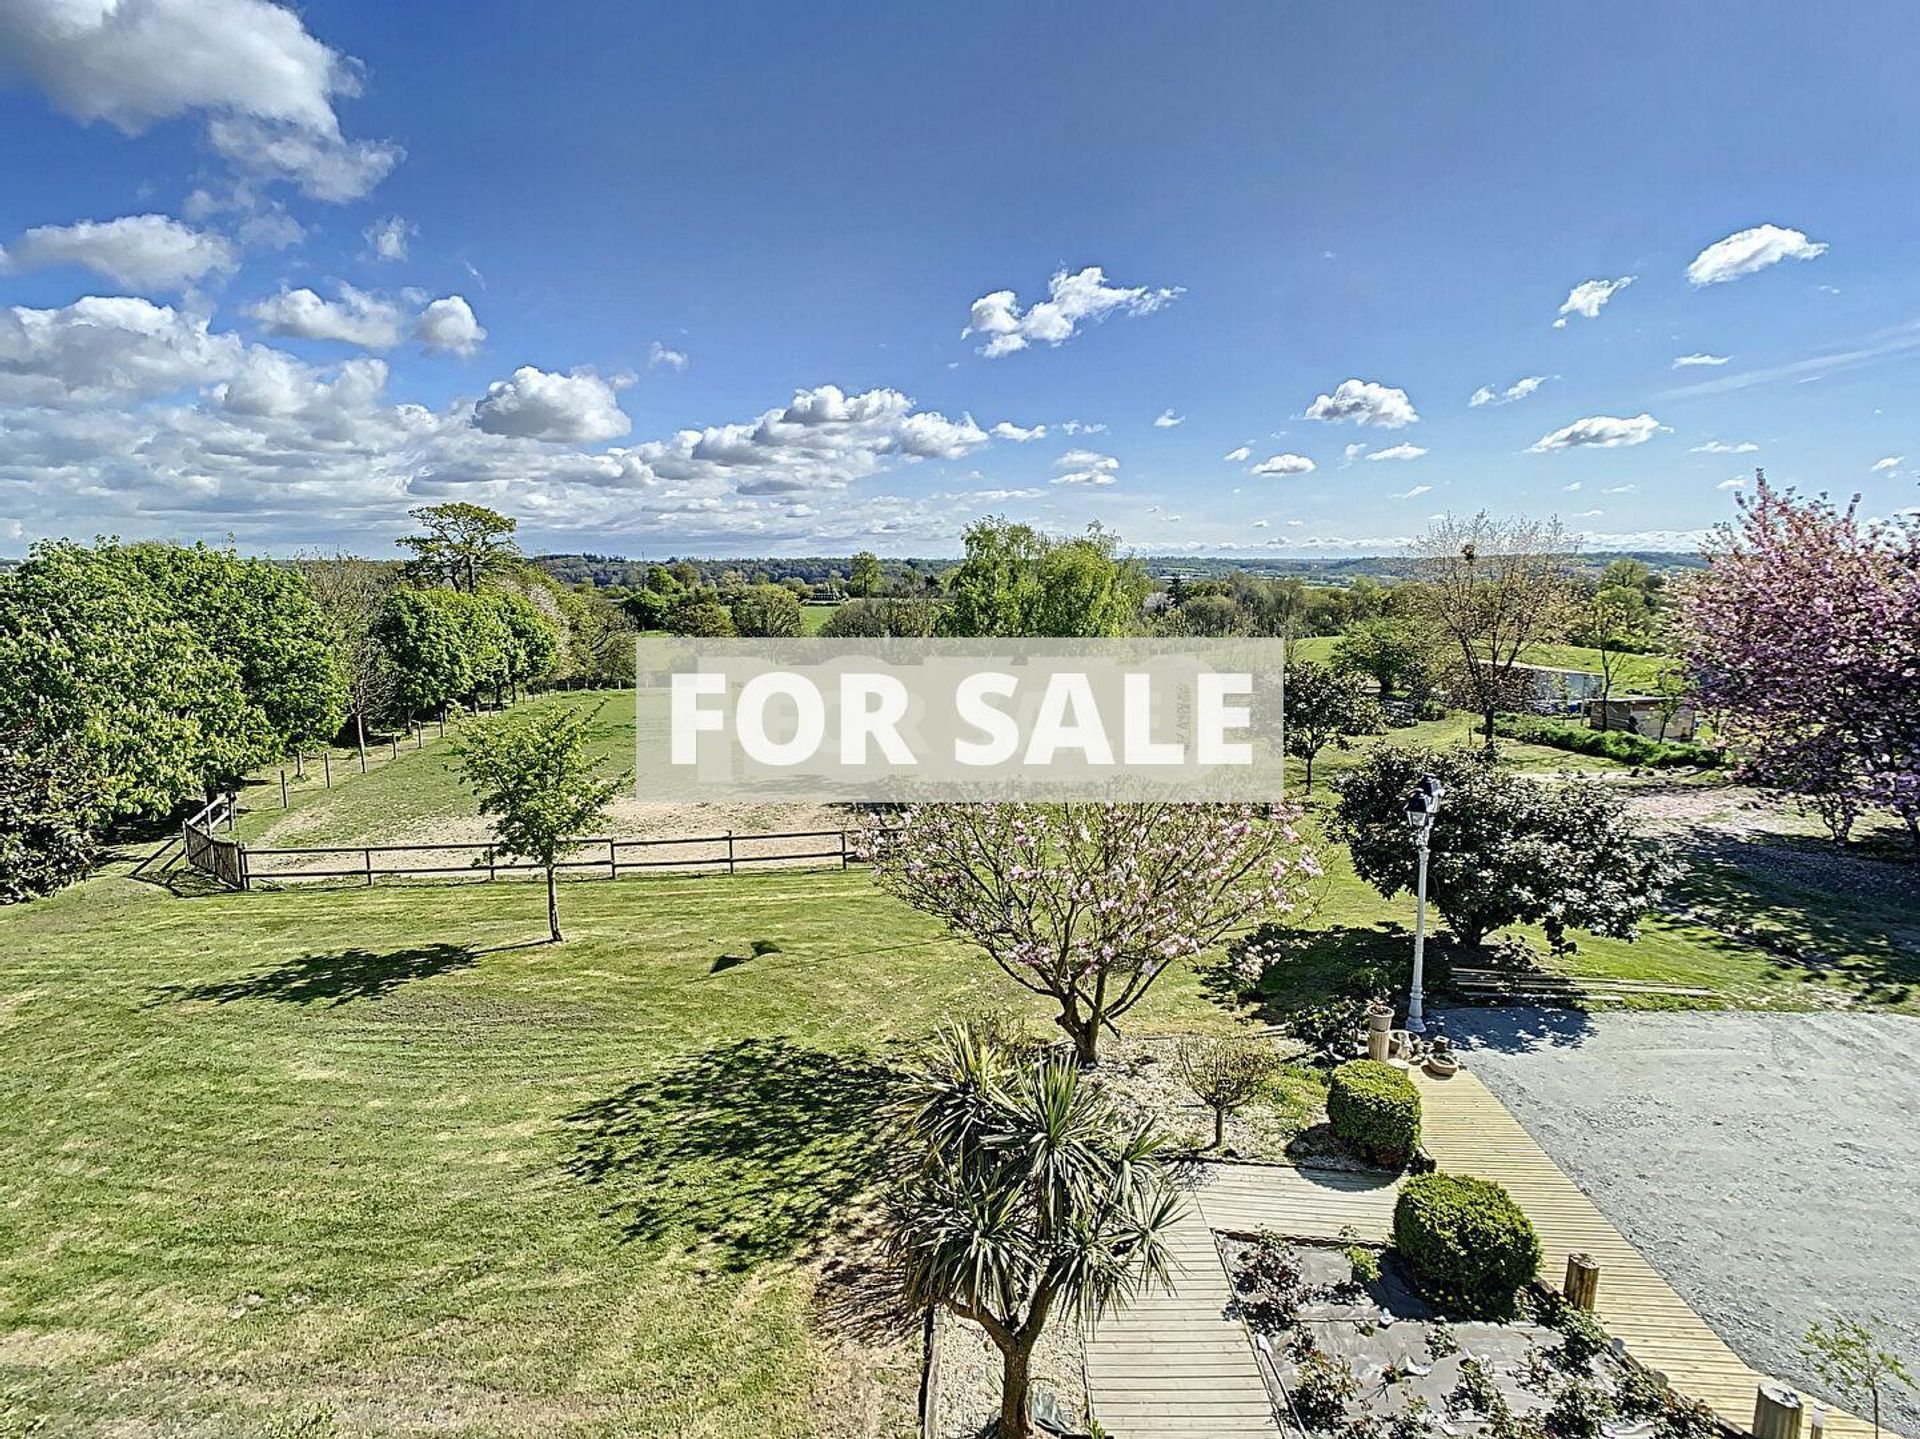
1442, 1065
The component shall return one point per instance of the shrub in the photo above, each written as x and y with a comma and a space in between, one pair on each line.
1323, 1386
1375, 1111
1331, 1030
1578, 1411
1622, 745
1466, 1241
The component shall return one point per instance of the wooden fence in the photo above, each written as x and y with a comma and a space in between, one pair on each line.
239, 866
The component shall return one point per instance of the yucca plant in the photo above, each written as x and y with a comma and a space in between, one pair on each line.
1019, 1192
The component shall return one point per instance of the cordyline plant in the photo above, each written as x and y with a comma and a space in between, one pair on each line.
1804, 636
1017, 1192
1088, 904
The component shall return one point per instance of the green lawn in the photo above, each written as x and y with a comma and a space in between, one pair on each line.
371, 1150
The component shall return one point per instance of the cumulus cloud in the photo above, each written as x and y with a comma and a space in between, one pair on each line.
1603, 432
576, 408
1365, 403
1414, 493
1737, 482
1518, 390
1721, 447
1239, 454
1083, 427
1398, 452
1746, 251
1283, 465
266, 86
1166, 420
1695, 361
107, 347
1589, 297
1007, 430
449, 324
1086, 467
1073, 300
388, 239
1885, 465
141, 252
660, 356
356, 318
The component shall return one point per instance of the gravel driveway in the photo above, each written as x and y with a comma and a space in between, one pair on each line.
1767, 1164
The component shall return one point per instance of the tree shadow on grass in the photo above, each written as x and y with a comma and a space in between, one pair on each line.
333, 978
754, 1147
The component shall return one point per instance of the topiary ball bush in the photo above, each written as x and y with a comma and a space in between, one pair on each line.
1375, 1111
1468, 1245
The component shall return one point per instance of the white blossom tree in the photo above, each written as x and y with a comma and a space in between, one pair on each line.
1088, 904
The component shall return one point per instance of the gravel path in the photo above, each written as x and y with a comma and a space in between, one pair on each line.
1767, 1164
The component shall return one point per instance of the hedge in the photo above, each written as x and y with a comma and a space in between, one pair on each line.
1469, 1247
1375, 1111
1616, 744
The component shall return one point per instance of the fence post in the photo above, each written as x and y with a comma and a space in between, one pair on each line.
613, 868
843, 849
299, 765
419, 735
492, 874
394, 740
443, 721
326, 758
246, 875
283, 786
367, 856
232, 805
730, 852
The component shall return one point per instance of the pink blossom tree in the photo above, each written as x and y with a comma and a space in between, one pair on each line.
1088, 904
1804, 637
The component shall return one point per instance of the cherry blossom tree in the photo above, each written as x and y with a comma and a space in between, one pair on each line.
1088, 904
1804, 635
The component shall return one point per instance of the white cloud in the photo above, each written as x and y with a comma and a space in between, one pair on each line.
356, 318
1694, 361
141, 252
1414, 493
1397, 452
1589, 297
1085, 477
1086, 460
1166, 420
1082, 427
1365, 403
1721, 447
1283, 465
1072, 300
1239, 454
266, 86
1738, 482
577, 408
1518, 390
1588, 514
659, 355
449, 324
388, 239
1569, 489
1007, 430
1885, 465
1259, 524
105, 347
1750, 250
1604, 432
1619, 489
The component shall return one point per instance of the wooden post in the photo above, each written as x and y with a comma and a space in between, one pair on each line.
326, 758
283, 786
843, 849
613, 869
367, 856
1583, 1281
246, 875
299, 765
419, 735
443, 721
1776, 1413
394, 740
492, 874
729, 851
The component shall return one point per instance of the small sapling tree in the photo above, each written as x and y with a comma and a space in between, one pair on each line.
1225, 1073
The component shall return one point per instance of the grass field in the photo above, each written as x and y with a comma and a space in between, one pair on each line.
366, 1162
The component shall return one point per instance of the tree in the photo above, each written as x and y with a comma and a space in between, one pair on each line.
1491, 588
1019, 1192
1614, 622
532, 773
1391, 650
460, 544
1016, 582
1505, 849
1323, 706
864, 572
47, 834
879, 619
421, 633
701, 615
1088, 904
769, 611
349, 594
1804, 638
1847, 1356
1225, 1073
533, 641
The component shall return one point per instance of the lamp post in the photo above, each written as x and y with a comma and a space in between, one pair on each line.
1422, 805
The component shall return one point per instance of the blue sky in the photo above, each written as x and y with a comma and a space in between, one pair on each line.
694, 278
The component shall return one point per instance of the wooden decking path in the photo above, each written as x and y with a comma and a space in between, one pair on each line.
1469, 1131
